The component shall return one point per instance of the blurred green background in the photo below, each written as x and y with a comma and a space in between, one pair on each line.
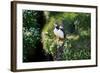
39, 41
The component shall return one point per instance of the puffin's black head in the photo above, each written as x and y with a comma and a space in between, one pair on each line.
56, 26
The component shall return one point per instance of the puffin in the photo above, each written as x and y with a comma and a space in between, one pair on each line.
59, 31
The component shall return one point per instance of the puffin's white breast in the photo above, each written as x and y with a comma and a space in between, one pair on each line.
60, 33
55, 31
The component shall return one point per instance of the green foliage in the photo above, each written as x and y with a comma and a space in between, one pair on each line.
38, 27
77, 29
77, 49
31, 34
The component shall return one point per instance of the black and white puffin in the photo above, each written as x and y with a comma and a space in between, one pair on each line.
59, 31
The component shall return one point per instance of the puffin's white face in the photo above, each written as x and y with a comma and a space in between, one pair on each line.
61, 27
55, 25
